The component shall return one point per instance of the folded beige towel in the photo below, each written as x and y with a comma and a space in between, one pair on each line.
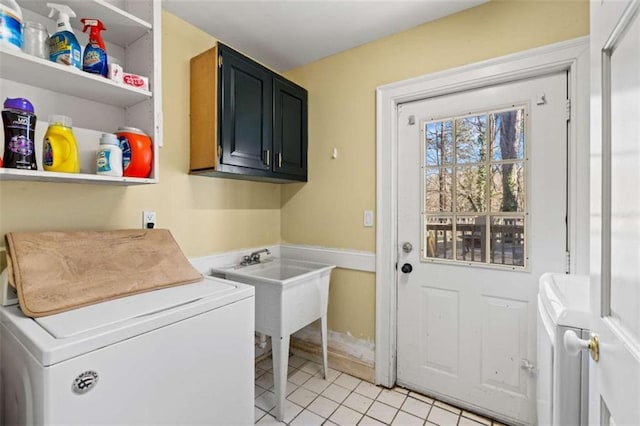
58, 271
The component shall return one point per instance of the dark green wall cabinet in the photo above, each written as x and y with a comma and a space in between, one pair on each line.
247, 122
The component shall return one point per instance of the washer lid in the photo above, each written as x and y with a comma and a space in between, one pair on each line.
566, 299
110, 314
55, 338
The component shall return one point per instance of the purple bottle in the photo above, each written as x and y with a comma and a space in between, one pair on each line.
19, 132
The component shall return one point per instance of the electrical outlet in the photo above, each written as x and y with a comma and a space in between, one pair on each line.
148, 219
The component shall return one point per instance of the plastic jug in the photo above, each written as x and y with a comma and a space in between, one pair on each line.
137, 152
109, 157
10, 24
60, 151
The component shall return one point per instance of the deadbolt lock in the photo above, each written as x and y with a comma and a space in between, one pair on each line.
407, 247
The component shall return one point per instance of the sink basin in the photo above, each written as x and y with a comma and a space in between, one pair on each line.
289, 294
566, 299
286, 271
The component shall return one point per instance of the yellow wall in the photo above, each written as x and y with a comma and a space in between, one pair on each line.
352, 303
328, 209
205, 215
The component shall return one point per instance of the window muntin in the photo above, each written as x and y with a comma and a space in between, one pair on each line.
474, 188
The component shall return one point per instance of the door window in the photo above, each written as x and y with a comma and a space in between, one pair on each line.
474, 188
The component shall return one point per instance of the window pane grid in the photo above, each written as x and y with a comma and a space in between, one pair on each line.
474, 188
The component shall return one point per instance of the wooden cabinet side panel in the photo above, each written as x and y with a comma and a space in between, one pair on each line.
203, 106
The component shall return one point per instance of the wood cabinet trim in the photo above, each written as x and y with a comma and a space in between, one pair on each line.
203, 110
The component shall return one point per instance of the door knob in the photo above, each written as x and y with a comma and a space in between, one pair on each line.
573, 344
406, 268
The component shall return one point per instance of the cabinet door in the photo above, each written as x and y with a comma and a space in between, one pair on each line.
289, 128
245, 106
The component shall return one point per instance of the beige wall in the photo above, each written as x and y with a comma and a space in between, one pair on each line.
328, 209
205, 215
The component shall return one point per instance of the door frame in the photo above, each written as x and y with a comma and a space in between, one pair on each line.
571, 56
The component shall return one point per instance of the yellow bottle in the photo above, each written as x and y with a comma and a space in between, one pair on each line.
60, 151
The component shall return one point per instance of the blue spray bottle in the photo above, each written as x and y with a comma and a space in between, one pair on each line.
95, 54
63, 45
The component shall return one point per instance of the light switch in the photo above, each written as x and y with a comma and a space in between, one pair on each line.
368, 218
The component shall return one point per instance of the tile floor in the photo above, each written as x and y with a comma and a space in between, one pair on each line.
346, 400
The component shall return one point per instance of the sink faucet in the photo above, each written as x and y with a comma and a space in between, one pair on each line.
253, 258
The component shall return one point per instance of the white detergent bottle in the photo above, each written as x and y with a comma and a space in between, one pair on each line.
10, 24
63, 45
109, 157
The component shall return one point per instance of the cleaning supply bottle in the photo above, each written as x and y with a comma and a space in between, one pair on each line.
137, 152
60, 151
19, 132
10, 24
94, 59
63, 45
109, 157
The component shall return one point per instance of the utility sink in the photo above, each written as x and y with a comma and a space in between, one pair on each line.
289, 295
277, 269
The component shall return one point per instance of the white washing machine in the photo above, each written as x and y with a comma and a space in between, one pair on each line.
181, 355
562, 388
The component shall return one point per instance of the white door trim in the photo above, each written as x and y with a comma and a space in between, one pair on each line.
572, 56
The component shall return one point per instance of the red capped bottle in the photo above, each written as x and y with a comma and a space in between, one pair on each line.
137, 152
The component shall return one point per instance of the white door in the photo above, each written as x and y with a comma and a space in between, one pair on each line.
615, 212
482, 202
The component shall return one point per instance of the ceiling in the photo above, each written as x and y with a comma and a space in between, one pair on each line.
284, 34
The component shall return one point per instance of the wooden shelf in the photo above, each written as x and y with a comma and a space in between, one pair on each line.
122, 27
44, 176
28, 69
